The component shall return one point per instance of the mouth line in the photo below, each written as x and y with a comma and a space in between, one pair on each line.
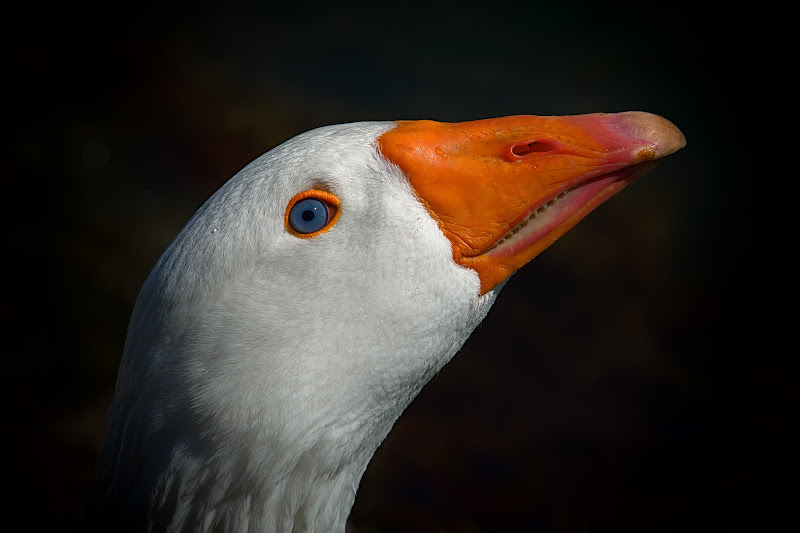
534, 214
553, 212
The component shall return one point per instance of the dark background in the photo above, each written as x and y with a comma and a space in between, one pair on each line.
634, 377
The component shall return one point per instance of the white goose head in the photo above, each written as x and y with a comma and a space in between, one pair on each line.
308, 301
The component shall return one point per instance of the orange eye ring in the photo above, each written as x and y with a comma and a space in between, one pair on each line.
332, 207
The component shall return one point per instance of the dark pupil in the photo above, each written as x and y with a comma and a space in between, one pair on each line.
308, 215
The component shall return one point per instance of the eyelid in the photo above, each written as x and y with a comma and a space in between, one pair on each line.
330, 200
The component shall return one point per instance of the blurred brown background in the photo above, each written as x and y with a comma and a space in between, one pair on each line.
635, 377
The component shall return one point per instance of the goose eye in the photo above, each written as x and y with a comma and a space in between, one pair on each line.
311, 213
308, 215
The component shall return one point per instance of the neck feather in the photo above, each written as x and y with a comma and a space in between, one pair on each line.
309, 489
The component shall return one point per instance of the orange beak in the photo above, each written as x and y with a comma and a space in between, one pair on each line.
503, 190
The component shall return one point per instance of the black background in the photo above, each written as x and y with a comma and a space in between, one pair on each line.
634, 377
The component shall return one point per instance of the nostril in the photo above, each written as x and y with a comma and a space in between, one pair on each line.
531, 147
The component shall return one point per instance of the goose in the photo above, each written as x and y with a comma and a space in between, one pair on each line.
306, 303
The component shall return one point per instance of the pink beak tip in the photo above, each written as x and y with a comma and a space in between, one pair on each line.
665, 137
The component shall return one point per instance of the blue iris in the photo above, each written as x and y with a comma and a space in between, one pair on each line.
308, 215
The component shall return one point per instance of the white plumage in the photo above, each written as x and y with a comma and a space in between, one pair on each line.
261, 370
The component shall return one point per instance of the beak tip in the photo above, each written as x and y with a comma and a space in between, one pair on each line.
663, 134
